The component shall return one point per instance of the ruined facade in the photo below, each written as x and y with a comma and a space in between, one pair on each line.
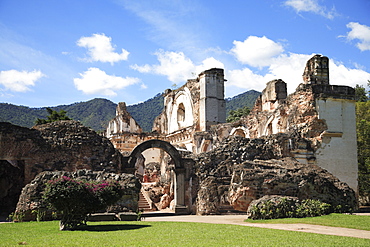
317, 111
318, 121
301, 145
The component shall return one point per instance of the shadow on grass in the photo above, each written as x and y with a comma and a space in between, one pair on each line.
109, 228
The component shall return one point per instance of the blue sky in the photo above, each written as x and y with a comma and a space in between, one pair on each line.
64, 51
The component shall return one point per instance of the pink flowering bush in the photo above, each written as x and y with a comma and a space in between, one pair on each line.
75, 199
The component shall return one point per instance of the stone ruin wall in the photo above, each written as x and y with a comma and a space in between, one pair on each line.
320, 113
307, 119
315, 125
319, 118
62, 145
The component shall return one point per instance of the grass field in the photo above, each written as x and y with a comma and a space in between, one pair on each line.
162, 234
336, 220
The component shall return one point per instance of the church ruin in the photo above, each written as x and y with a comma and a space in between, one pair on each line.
318, 119
301, 145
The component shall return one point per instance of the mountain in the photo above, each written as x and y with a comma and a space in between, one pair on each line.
244, 99
145, 113
96, 113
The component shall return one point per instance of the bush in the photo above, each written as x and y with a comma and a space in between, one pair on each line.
274, 207
75, 199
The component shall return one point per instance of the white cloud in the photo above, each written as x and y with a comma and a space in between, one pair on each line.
256, 51
209, 63
96, 81
247, 79
360, 32
19, 81
289, 68
100, 49
175, 65
341, 75
311, 6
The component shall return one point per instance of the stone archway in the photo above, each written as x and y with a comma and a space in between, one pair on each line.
179, 199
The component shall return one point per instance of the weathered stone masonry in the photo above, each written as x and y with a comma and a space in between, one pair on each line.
62, 145
318, 121
201, 164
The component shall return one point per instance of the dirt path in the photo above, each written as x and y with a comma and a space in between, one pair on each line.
239, 220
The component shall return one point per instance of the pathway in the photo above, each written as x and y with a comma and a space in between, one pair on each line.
239, 220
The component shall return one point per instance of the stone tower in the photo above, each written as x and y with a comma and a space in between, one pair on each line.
212, 107
317, 70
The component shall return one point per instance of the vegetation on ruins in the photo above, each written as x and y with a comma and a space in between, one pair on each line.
53, 116
75, 199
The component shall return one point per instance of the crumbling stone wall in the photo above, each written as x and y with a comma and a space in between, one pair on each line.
317, 70
315, 125
185, 98
30, 199
241, 170
297, 114
58, 146
122, 123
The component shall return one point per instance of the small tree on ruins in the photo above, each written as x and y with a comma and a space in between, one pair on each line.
75, 199
53, 116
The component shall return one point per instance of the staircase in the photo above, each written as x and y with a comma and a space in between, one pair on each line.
145, 204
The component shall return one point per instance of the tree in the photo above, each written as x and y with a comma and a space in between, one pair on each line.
75, 199
363, 149
53, 116
360, 93
363, 142
237, 114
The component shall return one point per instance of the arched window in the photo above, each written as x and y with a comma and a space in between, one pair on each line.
181, 115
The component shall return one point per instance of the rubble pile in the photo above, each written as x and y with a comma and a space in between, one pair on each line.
242, 170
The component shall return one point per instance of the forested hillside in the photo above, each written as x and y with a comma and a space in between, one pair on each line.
145, 113
94, 113
244, 99
97, 113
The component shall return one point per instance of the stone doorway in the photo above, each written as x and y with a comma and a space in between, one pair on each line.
159, 166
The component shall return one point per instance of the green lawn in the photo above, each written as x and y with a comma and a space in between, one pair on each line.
162, 234
337, 220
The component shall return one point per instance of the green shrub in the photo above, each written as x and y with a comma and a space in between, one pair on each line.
287, 207
75, 199
311, 208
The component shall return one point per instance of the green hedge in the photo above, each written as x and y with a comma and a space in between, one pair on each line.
287, 207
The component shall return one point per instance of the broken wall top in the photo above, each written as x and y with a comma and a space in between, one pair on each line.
275, 90
317, 70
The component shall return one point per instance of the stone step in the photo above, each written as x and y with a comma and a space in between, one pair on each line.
143, 204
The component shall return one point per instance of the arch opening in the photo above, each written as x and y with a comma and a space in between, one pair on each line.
159, 167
